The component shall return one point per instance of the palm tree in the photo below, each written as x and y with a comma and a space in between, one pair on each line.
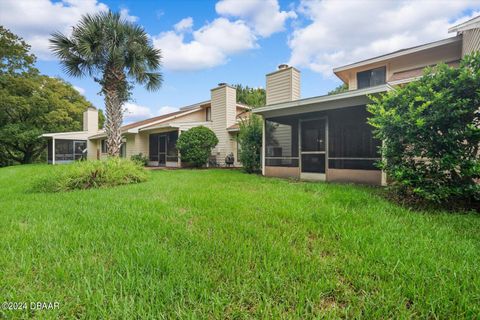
116, 53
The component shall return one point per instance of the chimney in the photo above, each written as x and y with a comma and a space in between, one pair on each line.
90, 120
224, 114
283, 85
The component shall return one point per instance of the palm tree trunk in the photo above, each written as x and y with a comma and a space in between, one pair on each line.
113, 123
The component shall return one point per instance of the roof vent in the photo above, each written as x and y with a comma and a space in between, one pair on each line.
221, 84
282, 66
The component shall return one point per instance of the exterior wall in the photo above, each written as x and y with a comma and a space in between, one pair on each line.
136, 143
373, 177
447, 53
223, 104
471, 41
192, 117
282, 172
283, 86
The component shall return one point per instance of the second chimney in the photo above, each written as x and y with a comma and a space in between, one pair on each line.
283, 85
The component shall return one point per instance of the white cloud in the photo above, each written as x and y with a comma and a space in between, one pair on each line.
165, 110
35, 20
125, 15
79, 89
209, 47
342, 32
134, 112
264, 16
184, 25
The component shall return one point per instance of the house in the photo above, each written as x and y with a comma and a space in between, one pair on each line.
156, 137
327, 137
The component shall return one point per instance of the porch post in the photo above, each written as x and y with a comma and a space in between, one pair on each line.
179, 161
53, 150
263, 145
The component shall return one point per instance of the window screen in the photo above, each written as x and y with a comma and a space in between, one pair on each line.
371, 78
172, 154
153, 147
351, 144
281, 139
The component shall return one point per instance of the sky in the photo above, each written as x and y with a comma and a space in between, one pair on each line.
206, 42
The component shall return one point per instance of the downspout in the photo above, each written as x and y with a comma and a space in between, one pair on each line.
179, 161
263, 146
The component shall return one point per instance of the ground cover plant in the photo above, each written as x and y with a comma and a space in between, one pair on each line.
90, 174
220, 244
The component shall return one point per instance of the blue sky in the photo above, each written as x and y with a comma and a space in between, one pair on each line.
239, 41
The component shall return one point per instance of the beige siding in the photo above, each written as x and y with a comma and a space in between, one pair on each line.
471, 41
191, 117
223, 104
283, 86
136, 143
446, 53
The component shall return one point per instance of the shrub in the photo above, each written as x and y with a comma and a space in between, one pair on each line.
91, 174
140, 158
195, 145
431, 134
250, 141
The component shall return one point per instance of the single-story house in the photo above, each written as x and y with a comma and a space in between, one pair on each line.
156, 137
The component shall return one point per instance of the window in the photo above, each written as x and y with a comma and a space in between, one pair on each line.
104, 146
371, 78
281, 139
208, 114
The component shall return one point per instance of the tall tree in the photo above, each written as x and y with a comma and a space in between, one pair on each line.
253, 97
31, 104
116, 53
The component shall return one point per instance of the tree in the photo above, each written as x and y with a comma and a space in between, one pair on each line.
253, 97
14, 54
250, 141
116, 53
195, 145
339, 89
30, 105
431, 134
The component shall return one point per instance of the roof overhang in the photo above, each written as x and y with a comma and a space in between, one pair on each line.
467, 25
73, 135
322, 103
398, 54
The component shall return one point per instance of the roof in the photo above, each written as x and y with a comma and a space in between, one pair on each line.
467, 25
399, 53
235, 127
326, 101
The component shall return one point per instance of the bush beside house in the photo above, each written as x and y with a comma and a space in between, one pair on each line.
195, 145
431, 134
250, 142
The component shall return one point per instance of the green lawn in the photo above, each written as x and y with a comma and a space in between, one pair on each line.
223, 244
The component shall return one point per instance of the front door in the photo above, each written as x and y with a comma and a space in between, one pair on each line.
162, 151
313, 146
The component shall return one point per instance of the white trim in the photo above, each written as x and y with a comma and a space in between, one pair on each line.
53, 150
399, 53
467, 25
325, 98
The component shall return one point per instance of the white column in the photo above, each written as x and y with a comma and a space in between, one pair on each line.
179, 161
53, 150
263, 145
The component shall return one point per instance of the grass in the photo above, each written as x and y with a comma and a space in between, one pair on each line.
222, 244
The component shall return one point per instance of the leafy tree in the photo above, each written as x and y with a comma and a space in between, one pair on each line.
250, 140
339, 89
14, 54
253, 97
431, 133
195, 145
31, 105
116, 53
